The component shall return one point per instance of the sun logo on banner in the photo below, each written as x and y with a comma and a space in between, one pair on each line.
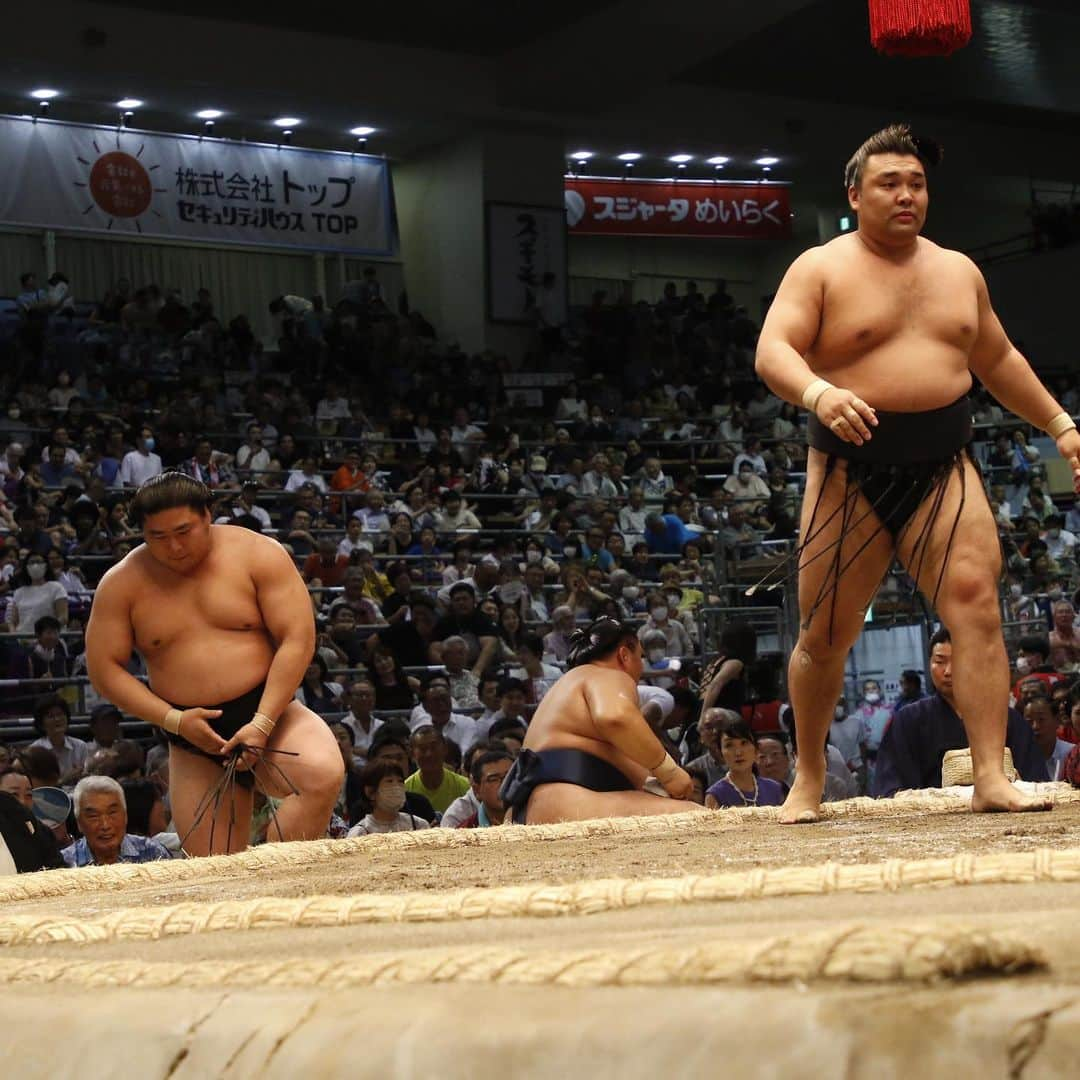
119, 185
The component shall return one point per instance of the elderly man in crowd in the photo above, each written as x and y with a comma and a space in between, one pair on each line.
101, 811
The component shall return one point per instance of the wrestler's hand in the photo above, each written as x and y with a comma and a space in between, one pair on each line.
846, 415
194, 728
1068, 447
679, 785
248, 735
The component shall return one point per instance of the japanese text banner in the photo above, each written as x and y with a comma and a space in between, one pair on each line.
73, 176
615, 207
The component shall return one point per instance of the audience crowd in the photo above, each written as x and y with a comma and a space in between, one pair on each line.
455, 517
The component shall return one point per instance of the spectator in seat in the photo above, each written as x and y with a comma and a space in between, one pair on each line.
52, 717
465, 621
26, 845
105, 720
919, 735
455, 516
306, 473
537, 676
1039, 713
36, 593
393, 689
557, 642
1033, 662
101, 811
392, 744
1064, 641
48, 657
317, 692
745, 485
666, 534
360, 718
252, 456
741, 786
711, 763
463, 683
384, 787
140, 464
325, 566
660, 619
432, 779
487, 775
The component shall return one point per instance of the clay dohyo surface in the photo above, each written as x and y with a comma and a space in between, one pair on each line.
1021, 1025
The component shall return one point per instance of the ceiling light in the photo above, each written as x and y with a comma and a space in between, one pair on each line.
286, 121
719, 160
44, 94
630, 157
681, 159
209, 114
766, 161
128, 103
581, 155
362, 132
766, 168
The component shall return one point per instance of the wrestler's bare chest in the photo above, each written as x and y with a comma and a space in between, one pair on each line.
899, 334
214, 604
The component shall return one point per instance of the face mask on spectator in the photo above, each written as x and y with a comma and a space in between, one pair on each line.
659, 613
673, 600
36, 570
14, 413
390, 798
150, 444
630, 592
839, 712
533, 556
656, 655
1015, 590
1054, 594
873, 697
570, 551
1023, 665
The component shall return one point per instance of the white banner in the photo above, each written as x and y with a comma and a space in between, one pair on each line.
117, 180
523, 244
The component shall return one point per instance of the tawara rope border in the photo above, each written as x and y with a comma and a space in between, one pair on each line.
852, 952
541, 900
314, 852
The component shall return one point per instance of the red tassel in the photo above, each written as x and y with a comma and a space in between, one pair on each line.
919, 27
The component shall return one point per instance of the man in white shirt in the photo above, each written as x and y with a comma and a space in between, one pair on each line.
1060, 543
372, 515
354, 539
597, 481
455, 516
361, 701
654, 483
253, 455
140, 464
334, 406
464, 435
746, 486
438, 711
245, 506
307, 472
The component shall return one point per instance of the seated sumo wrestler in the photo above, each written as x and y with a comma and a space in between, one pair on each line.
589, 751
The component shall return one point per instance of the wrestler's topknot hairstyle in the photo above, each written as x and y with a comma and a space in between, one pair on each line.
598, 641
167, 491
895, 139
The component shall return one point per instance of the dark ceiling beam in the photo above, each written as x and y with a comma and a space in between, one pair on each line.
618, 55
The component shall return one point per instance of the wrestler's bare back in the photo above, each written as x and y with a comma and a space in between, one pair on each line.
564, 719
201, 634
897, 333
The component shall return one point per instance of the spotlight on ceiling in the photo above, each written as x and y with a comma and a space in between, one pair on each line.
129, 103
44, 94
581, 155
287, 122
681, 159
210, 114
362, 132
719, 161
630, 157
766, 160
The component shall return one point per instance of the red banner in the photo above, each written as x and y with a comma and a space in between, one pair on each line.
614, 207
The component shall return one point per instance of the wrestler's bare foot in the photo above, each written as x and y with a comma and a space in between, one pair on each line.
803, 804
999, 796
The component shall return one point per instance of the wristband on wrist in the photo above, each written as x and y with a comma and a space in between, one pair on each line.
812, 394
666, 770
262, 723
172, 721
1058, 425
